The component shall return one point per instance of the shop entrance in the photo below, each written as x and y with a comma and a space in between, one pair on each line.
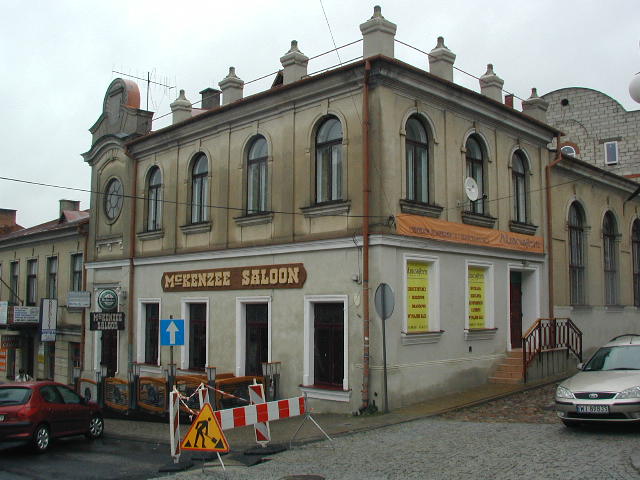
256, 337
109, 355
197, 336
515, 311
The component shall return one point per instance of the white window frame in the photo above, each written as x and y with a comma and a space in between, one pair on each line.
307, 375
607, 160
489, 289
433, 265
184, 310
141, 330
241, 329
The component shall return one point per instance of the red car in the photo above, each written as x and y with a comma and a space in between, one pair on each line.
38, 412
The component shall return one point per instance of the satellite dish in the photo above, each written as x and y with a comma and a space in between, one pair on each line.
471, 189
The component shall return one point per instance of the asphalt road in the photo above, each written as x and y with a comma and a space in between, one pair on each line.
76, 458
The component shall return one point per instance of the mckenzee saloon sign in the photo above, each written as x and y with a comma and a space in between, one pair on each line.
291, 275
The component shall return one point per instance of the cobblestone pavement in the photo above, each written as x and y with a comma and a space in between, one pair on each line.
514, 437
531, 406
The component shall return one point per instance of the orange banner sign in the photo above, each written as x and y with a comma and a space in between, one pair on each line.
435, 229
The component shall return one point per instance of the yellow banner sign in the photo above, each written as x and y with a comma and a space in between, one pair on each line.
476, 298
436, 229
417, 297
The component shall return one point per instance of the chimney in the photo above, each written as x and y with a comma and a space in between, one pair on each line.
181, 108
441, 61
535, 107
231, 87
508, 100
210, 98
69, 206
294, 63
378, 35
7, 219
491, 84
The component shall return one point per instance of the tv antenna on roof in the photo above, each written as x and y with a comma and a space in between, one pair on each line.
148, 80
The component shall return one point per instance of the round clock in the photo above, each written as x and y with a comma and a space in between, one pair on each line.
113, 199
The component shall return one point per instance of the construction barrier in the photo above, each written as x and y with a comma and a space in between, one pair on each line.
262, 430
152, 394
187, 385
237, 390
174, 424
116, 393
263, 412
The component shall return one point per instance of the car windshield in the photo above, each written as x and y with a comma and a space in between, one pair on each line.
14, 395
625, 357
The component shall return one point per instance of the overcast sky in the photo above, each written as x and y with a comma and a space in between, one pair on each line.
57, 57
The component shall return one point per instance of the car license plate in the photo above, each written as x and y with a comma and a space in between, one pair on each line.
593, 408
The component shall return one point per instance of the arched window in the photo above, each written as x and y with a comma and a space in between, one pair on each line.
610, 257
257, 176
475, 170
519, 172
329, 161
417, 154
635, 250
154, 200
576, 254
199, 189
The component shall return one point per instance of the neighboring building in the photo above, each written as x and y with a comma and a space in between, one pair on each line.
42, 262
596, 250
598, 130
267, 222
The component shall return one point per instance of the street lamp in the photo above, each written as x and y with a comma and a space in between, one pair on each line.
76, 377
211, 376
271, 374
170, 375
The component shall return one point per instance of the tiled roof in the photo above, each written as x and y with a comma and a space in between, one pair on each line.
68, 219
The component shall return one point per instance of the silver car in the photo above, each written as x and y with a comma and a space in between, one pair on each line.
607, 389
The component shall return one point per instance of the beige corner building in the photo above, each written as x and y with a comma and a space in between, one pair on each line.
267, 223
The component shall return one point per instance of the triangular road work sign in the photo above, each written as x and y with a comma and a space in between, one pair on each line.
205, 434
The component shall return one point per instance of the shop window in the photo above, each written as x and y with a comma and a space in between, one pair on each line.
197, 336
610, 257
14, 272
52, 277
421, 296
519, 178
257, 176
475, 168
151, 333
32, 282
326, 347
635, 250
577, 266
256, 337
417, 159
199, 189
328, 149
479, 297
154, 200
76, 272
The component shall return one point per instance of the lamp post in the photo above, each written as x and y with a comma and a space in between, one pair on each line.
211, 376
170, 375
76, 378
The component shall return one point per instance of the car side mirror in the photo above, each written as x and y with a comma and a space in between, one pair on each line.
580, 366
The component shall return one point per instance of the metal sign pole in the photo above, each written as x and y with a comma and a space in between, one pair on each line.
384, 357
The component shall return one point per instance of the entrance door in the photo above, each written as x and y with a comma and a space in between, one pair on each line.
257, 337
197, 336
515, 313
109, 355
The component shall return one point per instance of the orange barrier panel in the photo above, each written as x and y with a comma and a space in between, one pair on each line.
152, 394
116, 393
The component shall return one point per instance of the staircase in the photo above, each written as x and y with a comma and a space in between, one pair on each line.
510, 369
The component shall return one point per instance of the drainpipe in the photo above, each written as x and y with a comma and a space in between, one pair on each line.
132, 254
549, 223
365, 236
84, 233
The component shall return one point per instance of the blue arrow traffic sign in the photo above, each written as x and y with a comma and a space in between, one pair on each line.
172, 332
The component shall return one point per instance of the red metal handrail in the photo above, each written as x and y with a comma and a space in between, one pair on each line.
548, 334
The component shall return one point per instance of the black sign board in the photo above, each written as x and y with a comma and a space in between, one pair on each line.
106, 321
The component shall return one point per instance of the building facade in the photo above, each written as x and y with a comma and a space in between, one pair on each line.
268, 222
41, 330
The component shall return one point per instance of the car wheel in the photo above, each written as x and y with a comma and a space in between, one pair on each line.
96, 427
41, 438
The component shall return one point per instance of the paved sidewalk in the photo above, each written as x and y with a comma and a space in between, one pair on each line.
282, 431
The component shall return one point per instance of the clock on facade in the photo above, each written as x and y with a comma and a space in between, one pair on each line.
113, 199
